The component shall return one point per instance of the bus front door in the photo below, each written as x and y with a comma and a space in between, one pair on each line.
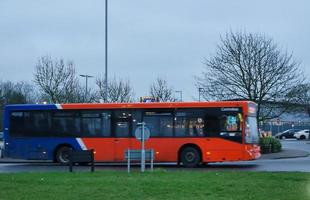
122, 129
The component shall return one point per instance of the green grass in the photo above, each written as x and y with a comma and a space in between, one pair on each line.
160, 184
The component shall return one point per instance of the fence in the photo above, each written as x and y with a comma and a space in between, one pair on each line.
276, 127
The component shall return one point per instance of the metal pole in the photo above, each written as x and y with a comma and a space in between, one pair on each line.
181, 96
179, 91
199, 90
86, 90
152, 159
106, 49
86, 81
142, 150
128, 161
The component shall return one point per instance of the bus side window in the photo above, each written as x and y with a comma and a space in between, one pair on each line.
159, 122
212, 126
96, 123
40, 124
122, 120
189, 123
106, 124
66, 124
17, 123
136, 118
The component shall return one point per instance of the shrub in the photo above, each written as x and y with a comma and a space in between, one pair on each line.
270, 145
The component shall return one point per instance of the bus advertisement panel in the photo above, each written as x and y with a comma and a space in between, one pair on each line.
188, 133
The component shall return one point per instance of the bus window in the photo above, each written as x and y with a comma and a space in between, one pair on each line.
66, 123
96, 124
189, 123
122, 123
17, 124
212, 125
30, 124
136, 118
160, 123
231, 127
251, 132
225, 124
37, 123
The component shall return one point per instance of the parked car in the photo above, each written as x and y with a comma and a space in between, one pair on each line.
286, 134
303, 134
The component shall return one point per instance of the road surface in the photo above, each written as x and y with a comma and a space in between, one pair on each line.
273, 165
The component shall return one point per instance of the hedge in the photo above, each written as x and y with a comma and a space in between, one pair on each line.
270, 145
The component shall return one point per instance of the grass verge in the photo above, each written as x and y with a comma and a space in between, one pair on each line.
157, 185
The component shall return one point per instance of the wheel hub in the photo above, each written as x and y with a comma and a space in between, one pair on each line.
190, 156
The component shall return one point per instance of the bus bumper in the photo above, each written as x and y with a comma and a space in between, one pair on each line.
252, 152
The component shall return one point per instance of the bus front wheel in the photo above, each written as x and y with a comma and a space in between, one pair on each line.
190, 157
62, 155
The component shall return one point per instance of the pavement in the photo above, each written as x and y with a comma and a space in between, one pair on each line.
286, 153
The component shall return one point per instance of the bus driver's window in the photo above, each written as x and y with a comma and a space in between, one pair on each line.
231, 127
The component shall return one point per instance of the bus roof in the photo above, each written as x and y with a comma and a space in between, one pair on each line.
128, 105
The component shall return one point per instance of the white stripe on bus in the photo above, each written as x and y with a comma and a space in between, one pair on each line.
58, 106
81, 143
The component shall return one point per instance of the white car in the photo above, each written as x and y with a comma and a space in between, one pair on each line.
301, 135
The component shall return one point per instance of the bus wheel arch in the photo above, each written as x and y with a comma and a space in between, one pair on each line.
190, 155
61, 153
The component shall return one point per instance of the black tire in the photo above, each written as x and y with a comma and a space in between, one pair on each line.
302, 137
190, 157
62, 155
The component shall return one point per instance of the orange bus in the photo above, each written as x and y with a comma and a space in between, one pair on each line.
188, 133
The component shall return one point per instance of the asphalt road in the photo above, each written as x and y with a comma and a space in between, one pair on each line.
292, 164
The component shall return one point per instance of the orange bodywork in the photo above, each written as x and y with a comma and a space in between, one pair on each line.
167, 149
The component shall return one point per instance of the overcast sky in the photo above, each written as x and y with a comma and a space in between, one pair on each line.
147, 38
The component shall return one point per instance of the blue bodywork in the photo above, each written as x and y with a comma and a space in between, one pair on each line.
37, 148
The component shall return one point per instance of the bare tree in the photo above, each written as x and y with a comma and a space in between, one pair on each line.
300, 98
15, 93
118, 90
161, 91
57, 80
250, 67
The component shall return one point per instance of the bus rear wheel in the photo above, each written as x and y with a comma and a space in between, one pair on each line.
190, 157
62, 155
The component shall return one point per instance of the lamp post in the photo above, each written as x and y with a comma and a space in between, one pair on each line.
3, 99
199, 92
106, 48
180, 92
86, 79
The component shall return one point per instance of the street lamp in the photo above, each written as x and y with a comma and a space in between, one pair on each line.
3, 100
86, 78
200, 90
180, 92
106, 48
